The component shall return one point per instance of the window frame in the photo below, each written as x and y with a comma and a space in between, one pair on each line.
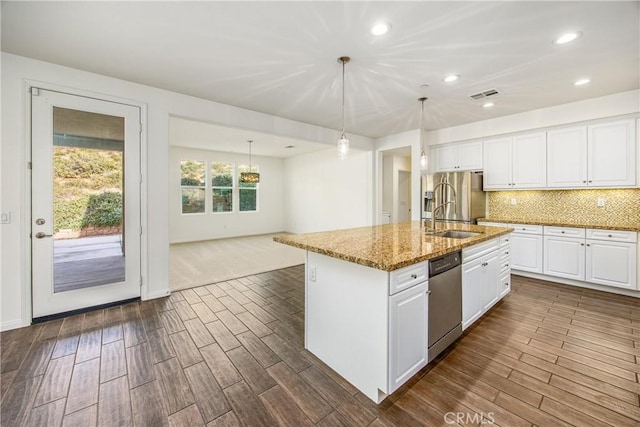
217, 187
203, 187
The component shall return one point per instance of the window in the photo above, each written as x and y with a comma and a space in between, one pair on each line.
222, 186
192, 181
247, 192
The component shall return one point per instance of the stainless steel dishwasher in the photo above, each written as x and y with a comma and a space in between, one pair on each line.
445, 302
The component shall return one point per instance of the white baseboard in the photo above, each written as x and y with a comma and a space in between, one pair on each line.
594, 286
12, 324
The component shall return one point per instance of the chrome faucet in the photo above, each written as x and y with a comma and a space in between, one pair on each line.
435, 207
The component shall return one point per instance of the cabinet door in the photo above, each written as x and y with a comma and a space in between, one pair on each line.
473, 284
612, 264
526, 252
408, 339
491, 267
567, 157
446, 158
564, 257
470, 156
497, 164
611, 154
529, 156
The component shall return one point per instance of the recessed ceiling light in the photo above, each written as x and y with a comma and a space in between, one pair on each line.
581, 82
380, 28
567, 37
424, 86
488, 105
452, 78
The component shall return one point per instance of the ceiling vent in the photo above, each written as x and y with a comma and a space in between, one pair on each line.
485, 94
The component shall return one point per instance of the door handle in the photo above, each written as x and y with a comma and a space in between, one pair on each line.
41, 235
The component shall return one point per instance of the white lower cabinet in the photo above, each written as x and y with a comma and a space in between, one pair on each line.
611, 263
526, 248
408, 334
480, 285
564, 257
605, 257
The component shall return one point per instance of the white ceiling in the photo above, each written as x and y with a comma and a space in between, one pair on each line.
280, 58
208, 136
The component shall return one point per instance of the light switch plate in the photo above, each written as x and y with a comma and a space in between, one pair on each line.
312, 274
5, 217
514, 202
600, 201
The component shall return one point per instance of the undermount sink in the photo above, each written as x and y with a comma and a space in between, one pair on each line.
455, 234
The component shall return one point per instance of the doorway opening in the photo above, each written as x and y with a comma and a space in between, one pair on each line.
396, 185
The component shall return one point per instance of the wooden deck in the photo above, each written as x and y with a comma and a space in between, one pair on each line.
232, 354
87, 261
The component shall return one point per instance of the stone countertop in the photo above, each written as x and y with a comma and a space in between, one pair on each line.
391, 246
565, 223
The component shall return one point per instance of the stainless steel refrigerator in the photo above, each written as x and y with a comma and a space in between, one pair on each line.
466, 189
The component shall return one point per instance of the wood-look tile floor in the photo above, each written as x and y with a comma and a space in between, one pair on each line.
232, 354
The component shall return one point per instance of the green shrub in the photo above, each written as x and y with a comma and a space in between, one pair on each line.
68, 213
103, 210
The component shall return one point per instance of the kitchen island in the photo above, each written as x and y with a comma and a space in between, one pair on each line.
366, 296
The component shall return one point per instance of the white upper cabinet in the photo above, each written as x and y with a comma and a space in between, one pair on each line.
515, 163
612, 154
567, 157
601, 155
458, 157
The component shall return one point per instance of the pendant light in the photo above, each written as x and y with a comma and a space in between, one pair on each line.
343, 142
423, 156
250, 177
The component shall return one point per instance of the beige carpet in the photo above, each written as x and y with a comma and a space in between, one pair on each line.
210, 261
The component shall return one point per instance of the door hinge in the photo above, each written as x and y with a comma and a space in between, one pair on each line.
140, 178
29, 165
140, 128
141, 230
35, 91
141, 281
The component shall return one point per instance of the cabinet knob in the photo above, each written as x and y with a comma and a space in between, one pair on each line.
590, 181
506, 265
562, 232
506, 252
484, 264
581, 244
523, 229
588, 244
414, 276
584, 182
506, 283
610, 235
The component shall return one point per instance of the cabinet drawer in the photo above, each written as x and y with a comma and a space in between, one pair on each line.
612, 235
564, 231
505, 241
526, 228
505, 262
473, 252
406, 277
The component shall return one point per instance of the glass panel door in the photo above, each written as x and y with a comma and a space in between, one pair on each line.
85, 202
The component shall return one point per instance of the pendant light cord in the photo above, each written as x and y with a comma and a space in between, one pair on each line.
343, 62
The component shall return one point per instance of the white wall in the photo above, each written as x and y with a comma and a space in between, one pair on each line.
325, 193
193, 227
18, 73
590, 109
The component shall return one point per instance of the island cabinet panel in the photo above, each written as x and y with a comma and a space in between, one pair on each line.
480, 286
408, 335
612, 263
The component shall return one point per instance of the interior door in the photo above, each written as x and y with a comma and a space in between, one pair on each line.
85, 225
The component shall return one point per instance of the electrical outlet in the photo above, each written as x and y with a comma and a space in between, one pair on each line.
5, 217
514, 202
600, 201
312, 274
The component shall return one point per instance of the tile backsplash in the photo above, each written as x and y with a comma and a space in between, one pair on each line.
621, 206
